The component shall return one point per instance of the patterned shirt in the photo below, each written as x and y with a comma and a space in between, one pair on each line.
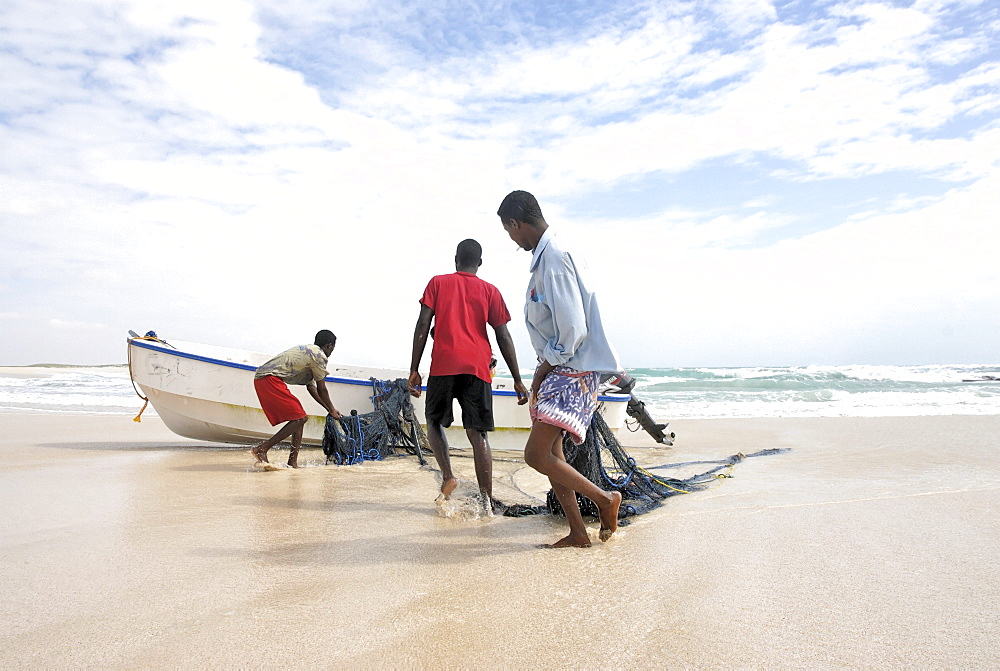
298, 365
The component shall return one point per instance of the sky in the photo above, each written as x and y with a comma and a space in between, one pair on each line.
751, 183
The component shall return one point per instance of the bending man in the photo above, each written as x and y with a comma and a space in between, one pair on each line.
564, 324
304, 364
461, 305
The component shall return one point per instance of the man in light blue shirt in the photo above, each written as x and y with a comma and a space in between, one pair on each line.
565, 327
564, 320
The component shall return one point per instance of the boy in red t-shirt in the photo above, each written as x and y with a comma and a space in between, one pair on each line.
461, 305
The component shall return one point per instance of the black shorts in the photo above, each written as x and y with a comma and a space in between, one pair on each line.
475, 397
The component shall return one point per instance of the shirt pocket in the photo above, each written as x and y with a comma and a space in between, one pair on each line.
539, 316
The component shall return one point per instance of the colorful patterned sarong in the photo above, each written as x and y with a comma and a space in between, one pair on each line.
567, 398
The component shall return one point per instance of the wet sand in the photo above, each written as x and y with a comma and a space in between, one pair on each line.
873, 543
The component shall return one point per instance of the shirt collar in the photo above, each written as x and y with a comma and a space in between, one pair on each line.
543, 242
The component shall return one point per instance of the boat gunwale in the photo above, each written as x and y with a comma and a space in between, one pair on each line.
617, 398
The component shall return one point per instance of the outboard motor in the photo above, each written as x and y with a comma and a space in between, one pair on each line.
637, 409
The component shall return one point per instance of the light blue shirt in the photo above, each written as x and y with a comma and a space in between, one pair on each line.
564, 321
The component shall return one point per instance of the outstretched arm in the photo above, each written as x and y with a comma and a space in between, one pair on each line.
506, 345
321, 394
420, 332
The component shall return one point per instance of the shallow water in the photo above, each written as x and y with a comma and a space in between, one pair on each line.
670, 393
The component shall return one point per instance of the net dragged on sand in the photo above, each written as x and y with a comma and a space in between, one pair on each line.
603, 461
392, 428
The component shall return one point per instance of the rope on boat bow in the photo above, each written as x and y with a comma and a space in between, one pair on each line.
150, 335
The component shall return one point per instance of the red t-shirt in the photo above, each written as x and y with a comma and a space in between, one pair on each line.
463, 305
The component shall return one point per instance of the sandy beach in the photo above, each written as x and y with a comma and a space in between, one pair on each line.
872, 543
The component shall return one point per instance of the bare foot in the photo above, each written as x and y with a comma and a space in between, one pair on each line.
448, 486
260, 456
609, 516
293, 459
570, 541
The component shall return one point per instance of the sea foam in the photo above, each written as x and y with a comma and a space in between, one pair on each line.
669, 393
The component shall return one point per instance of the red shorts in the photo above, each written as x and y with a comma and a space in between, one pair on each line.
277, 401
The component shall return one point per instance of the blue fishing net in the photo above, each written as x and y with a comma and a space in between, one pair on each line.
392, 428
603, 461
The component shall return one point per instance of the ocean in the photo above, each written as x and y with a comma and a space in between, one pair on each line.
90, 390
819, 391
669, 393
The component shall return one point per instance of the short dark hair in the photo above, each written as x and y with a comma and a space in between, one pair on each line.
325, 337
469, 253
521, 206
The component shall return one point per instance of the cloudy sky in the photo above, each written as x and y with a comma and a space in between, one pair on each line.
753, 182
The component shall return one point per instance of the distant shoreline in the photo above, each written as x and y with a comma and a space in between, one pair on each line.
669, 394
66, 365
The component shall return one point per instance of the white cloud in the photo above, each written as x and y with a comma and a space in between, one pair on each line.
164, 171
815, 294
744, 16
816, 97
74, 325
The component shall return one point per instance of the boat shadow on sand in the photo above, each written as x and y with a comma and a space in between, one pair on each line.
143, 446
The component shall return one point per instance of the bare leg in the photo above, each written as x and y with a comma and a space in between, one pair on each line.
543, 452
293, 455
439, 445
570, 506
546, 433
260, 451
483, 457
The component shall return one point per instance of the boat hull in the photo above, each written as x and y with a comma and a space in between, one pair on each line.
206, 393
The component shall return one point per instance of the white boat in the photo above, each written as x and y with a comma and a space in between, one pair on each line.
206, 392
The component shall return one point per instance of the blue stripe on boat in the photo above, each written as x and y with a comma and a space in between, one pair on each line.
618, 398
